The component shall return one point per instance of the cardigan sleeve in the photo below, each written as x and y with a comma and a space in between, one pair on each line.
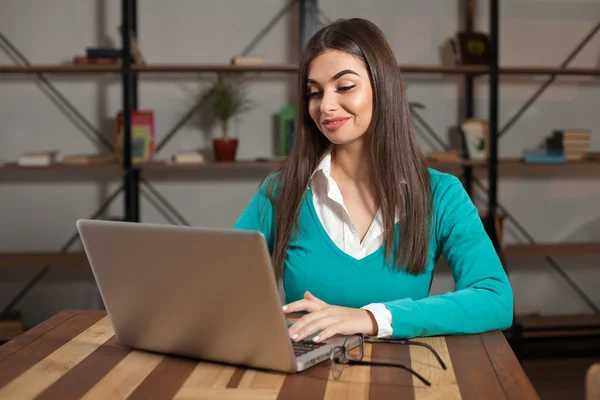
483, 298
259, 216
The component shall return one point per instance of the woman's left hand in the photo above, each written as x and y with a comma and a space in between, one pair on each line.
331, 320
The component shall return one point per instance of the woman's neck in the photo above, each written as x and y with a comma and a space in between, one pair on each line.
351, 162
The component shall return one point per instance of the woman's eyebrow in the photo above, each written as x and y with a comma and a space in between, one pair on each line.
336, 76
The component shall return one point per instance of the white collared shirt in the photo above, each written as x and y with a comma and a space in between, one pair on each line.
338, 224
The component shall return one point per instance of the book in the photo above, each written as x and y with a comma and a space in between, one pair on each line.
86, 159
142, 135
247, 60
574, 144
187, 157
543, 156
37, 158
287, 128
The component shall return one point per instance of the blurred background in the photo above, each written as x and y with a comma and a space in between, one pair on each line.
529, 115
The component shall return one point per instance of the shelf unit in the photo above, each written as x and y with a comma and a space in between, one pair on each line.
492, 169
183, 68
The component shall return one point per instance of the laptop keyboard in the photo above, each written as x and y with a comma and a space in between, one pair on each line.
305, 346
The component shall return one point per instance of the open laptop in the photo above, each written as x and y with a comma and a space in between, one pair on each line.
203, 293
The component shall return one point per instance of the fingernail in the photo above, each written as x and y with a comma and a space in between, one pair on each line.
284, 308
316, 339
294, 336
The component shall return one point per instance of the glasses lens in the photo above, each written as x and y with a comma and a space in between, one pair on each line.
337, 360
355, 348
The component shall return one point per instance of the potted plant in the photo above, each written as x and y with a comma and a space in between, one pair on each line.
227, 98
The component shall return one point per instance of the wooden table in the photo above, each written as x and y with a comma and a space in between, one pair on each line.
75, 355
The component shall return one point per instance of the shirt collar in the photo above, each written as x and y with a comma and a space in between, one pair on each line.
324, 167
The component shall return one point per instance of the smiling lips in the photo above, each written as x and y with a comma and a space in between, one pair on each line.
334, 123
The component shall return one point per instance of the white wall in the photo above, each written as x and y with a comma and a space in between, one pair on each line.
38, 211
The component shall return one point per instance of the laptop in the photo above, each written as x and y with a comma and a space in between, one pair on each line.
204, 293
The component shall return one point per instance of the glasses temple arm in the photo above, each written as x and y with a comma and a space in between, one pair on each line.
435, 354
378, 364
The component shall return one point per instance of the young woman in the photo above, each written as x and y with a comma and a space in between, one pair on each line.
355, 220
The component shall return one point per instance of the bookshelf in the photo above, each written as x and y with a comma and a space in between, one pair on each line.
193, 68
507, 167
493, 169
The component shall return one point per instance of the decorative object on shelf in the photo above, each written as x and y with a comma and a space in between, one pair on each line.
187, 157
247, 60
473, 48
142, 136
136, 53
560, 147
227, 98
37, 158
98, 55
449, 53
287, 128
446, 156
87, 159
475, 133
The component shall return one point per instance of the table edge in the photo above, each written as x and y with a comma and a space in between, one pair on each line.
500, 353
31, 335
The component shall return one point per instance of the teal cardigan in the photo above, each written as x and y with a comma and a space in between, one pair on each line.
482, 300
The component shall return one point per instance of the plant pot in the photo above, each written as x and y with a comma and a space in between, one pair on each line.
225, 149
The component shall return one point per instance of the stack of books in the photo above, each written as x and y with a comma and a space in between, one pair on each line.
574, 144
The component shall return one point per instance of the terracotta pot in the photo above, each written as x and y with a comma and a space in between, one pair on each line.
225, 149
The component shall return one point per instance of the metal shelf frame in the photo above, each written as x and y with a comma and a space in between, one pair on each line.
134, 183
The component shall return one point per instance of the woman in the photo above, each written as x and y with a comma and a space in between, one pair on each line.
355, 220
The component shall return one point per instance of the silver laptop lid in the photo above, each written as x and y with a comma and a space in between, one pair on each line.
197, 292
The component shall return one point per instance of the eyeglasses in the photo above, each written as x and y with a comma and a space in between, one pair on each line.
341, 356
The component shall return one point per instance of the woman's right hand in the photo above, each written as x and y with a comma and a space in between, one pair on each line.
309, 303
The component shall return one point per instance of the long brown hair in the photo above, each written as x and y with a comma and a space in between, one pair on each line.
398, 167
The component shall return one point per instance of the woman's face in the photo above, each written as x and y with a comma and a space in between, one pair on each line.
340, 96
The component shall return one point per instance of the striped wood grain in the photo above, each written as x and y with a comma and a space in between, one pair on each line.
79, 357
43, 374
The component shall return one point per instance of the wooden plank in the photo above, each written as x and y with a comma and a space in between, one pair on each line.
236, 377
431, 69
78, 380
47, 371
214, 381
164, 380
474, 371
205, 376
539, 326
14, 167
58, 68
30, 349
512, 377
210, 166
538, 70
355, 381
39, 259
33, 334
391, 382
514, 251
216, 68
443, 382
124, 378
444, 69
309, 384
559, 321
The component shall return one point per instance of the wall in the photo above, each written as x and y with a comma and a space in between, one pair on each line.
38, 211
